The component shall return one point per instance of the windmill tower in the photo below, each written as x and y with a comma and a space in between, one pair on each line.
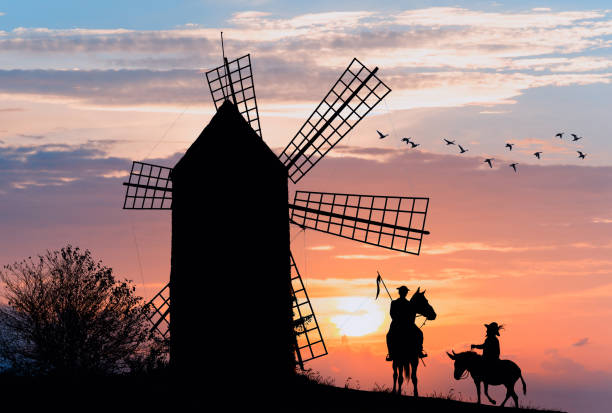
236, 293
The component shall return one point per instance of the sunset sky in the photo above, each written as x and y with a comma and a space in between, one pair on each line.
87, 89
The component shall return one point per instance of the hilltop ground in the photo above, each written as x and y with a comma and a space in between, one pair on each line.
317, 397
153, 393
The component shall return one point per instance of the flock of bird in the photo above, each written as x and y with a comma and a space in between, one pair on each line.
489, 161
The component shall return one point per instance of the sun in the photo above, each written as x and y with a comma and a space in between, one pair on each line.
358, 316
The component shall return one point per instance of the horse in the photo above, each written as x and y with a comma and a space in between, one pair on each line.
504, 372
407, 351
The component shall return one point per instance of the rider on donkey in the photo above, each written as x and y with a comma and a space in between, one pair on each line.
402, 324
490, 347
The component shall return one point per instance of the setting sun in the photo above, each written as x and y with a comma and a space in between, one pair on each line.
358, 316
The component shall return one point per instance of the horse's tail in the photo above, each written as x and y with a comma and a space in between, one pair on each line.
524, 384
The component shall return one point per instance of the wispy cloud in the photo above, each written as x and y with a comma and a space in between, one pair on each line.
477, 246
321, 248
368, 257
581, 342
432, 57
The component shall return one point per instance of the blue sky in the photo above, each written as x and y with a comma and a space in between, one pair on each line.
160, 14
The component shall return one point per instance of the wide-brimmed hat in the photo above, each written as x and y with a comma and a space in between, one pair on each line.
403, 289
494, 327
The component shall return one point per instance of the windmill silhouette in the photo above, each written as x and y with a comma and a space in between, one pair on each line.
241, 205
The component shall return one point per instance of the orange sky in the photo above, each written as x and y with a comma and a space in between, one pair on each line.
530, 250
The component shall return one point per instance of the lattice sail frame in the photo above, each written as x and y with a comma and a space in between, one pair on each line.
392, 222
149, 187
353, 96
241, 81
160, 315
308, 338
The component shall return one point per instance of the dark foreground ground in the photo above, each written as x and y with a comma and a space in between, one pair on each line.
201, 394
321, 398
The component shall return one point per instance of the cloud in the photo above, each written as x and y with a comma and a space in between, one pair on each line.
36, 137
477, 246
581, 342
321, 248
431, 57
367, 257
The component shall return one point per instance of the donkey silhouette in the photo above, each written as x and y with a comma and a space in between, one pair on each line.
504, 372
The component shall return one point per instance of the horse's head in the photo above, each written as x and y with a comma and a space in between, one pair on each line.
463, 361
421, 305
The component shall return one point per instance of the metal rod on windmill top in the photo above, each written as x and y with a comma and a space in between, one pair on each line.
228, 75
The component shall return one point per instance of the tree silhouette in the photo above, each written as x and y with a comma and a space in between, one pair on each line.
67, 315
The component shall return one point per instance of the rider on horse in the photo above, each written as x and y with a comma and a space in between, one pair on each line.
490, 347
402, 324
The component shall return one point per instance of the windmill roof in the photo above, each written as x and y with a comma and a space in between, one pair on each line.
226, 136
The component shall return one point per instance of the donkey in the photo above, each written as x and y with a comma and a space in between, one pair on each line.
504, 372
407, 351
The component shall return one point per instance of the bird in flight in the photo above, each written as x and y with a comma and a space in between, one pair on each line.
414, 145
381, 135
576, 138
461, 149
448, 142
581, 155
489, 161
560, 135
513, 166
537, 154
509, 145
407, 140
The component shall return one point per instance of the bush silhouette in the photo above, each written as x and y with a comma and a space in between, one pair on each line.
67, 315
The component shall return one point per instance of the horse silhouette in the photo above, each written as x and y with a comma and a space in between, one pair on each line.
504, 372
406, 347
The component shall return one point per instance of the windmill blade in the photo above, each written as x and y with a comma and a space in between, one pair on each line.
160, 316
393, 222
234, 80
149, 187
351, 98
309, 342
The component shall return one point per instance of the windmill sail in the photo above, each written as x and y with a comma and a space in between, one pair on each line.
393, 222
149, 187
234, 80
160, 314
353, 96
309, 342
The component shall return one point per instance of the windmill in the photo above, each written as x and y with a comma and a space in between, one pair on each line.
236, 211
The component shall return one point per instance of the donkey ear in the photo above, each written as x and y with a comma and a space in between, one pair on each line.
424, 291
418, 289
451, 356
454, 354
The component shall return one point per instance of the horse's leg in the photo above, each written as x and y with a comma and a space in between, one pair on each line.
508, 393
400, 378
413, 376
514, 397
477, 383
394, 375
486, 391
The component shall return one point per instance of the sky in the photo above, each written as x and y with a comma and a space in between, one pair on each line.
86, 89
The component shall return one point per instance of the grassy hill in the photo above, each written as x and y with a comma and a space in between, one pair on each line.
318, 397
161, 393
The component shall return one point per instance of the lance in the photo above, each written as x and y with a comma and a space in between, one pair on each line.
379, 279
